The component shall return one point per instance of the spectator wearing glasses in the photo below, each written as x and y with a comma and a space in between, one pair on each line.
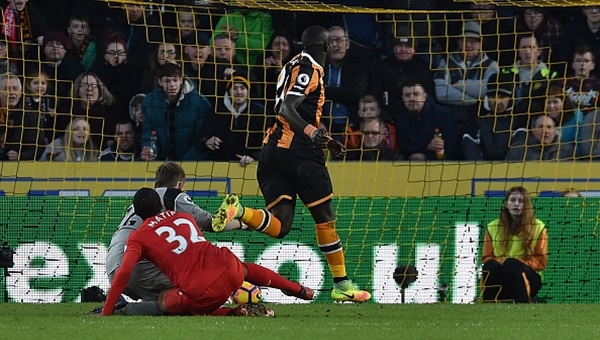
346, 82
137, 27
374, 146
582, 32
369, 108
115, 71
547, 31
167, 52
582, 86
93, 101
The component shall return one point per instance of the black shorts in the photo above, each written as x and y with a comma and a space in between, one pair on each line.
284, 173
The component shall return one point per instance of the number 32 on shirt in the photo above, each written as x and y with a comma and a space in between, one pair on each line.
180, 239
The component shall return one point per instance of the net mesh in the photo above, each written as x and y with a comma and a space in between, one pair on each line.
59, 216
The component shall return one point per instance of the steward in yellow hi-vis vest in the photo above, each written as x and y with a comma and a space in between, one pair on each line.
515, 251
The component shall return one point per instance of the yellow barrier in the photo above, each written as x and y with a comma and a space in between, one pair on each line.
350, 179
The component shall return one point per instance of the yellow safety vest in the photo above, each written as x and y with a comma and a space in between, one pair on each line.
516, 247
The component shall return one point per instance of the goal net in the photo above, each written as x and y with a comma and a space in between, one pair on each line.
398, 207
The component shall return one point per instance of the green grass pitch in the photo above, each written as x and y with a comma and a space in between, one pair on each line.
313, 321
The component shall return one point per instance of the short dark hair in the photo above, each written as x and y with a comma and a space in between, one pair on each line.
583, 49
146, 203
79, 16
168, 175
525, 35
125, 121
223, 36
314, 36
168, 70
412, 82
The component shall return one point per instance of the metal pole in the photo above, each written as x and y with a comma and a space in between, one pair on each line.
6, 274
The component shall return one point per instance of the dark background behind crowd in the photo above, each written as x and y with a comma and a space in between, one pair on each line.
88, 80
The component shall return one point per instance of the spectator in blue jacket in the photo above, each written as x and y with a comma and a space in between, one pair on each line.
417, 123
176, 111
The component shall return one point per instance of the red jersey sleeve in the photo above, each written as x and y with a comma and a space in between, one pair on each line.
131, 257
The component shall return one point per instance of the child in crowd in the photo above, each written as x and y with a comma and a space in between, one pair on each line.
36, 86
80, 43
74, 146
582, 86
135, 111
368, 108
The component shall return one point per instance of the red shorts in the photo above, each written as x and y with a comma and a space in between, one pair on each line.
215, 294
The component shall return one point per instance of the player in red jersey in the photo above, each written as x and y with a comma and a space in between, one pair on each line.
203, 275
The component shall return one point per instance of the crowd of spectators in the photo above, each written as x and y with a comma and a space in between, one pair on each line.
94, 80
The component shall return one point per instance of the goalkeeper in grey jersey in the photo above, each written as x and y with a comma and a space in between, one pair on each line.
146, 280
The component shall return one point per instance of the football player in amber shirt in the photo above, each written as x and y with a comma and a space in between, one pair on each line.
292, 164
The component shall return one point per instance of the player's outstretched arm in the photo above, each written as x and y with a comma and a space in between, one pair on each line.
203, 218
120, 281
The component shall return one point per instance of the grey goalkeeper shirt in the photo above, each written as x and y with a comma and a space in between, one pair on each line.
172, 199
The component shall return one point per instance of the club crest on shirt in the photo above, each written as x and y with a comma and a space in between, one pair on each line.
303, 79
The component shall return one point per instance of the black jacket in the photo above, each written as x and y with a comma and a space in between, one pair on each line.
414, 132
488, 136
390, 75
354, 81
242, 135
23, 134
